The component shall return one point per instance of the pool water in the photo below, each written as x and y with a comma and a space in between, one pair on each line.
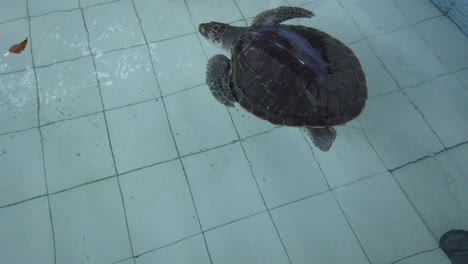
113, 149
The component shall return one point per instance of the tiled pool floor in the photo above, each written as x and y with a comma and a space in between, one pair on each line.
113, 150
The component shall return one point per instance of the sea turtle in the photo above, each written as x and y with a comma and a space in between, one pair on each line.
286, 74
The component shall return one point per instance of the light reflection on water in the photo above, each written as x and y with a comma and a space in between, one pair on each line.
13, 97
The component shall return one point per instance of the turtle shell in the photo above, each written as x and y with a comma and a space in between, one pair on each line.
297, 76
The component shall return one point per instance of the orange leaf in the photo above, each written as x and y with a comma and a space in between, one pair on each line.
18, 48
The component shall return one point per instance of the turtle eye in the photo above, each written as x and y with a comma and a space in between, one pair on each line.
204, 33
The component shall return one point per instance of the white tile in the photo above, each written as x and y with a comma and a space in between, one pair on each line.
113, 26
438, 191
383, 219
20, 182
126, 77
10, 10
191, 250
68, 89
26, 233
463, 77
179, 63
407, 56
418, 10
198, 121
397, 130
224, 11
68, 145
375, 17
443, 102
58, 36
39, 7
284, 166
448, 42
351, 158
164, 19
13, 33
18, 101
89, 224
254, 240
253, 8
140, 135
379, 81
222, 185
315, 231
432, 257
247, 124
330, 17
159, 206
459, 156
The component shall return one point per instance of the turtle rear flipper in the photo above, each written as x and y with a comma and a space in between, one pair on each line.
280, 14
217, 77
323, 138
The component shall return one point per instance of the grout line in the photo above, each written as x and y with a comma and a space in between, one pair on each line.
132, 104
428, 156
97, 54
63, 61
12, 20
171, 38
414, 207
428, 44
245, 155
15, 71
350, 226
170, 126
106, 110
44, 171
421, 252
122, 260
394, 178
18, 131
71, 10
167, 245
259, 189
134, 170
242, 14
148, 166
424, 118
82, 184
23, 201
107, 129
450, 8
235, 220
69, 119
440, 59
336, 199
183, 90
315, 159
297, 200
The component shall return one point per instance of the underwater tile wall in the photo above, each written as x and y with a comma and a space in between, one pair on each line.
456, 10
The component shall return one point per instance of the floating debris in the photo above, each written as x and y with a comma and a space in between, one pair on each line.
18, 48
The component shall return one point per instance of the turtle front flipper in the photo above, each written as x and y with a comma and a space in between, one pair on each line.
217, 77
277, 15
323, 138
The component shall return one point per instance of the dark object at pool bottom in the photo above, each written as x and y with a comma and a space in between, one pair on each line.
455, 245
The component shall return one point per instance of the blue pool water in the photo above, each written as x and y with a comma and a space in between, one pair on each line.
113, 149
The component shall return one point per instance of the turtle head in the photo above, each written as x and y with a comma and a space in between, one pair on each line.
220, 34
